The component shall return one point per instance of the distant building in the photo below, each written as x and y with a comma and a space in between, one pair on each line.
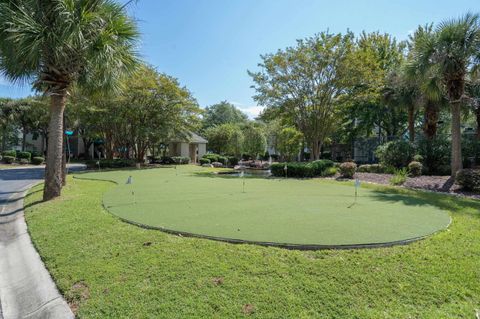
193, 146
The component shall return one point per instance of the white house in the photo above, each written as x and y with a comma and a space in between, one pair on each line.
194, 147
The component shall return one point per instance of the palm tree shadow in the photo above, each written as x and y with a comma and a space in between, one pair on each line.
422, 198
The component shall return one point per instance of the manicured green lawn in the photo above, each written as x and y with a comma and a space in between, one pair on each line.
110, 269
297, 212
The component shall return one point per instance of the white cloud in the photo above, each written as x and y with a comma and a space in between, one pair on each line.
252, 111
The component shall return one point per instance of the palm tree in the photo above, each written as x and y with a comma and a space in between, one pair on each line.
451, 52
426, 80
58, 44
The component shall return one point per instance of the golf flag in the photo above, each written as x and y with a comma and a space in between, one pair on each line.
129, 180
242, 174
357, 183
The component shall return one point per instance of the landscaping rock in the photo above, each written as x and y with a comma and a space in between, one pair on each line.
217, 164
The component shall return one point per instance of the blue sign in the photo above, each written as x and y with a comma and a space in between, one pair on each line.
69, 133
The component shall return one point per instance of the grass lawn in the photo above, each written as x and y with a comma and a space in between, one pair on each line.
295, 212
110, 269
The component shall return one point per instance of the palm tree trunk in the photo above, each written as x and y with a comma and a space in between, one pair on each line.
53, 175
456, 138
431, 120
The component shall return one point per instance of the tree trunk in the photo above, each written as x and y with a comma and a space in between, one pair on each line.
431, 120
53, 174
456, 161
302, 151
315, 152
411, 123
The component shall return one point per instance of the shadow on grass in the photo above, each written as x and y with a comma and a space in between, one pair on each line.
418, 198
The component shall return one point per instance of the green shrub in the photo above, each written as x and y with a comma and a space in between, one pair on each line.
331, 171
204, 161
320, 166
24, 161
364, 168
11, 153
223, 160
8, 159
24, 155
470, 151
418, 158
415, 168
212, 157
468, 179
347, 169
299, 170
395, 153
181, 160
36, 154
115, 163
436, 155
399, 177
37, 160
167, 160
232, 160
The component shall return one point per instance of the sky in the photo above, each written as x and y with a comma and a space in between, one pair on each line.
210, 44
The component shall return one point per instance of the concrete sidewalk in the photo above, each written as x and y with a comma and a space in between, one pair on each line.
26, 288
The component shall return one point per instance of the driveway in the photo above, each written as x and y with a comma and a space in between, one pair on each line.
26, 288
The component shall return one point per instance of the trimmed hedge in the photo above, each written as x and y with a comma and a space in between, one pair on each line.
11, 153
37, 160
301, 170
204, 161
371, 168
115, 163
218, 158
331, 171
167, 160
24, 155
320, 166
181, 160
468, 179
8, 159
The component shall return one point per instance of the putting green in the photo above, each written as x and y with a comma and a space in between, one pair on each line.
315, 213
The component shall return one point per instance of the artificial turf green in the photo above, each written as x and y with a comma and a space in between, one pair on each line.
297, 212
109, 269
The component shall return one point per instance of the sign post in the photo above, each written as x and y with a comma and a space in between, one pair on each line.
67, 134
130, 182
242, 176
285, 169
357, 186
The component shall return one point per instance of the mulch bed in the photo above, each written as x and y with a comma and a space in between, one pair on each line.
443, 184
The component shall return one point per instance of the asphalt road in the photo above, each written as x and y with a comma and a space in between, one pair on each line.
26, 288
